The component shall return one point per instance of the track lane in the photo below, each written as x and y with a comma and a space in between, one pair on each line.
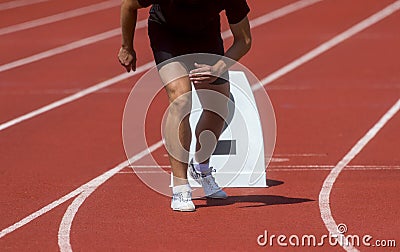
52, 82
7, 5
59, 33
39, 10
375, 191
41, 38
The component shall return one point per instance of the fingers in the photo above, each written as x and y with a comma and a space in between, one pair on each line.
125, 62
195, 76
200, 65
133, 64
127, 59
128, 68
203, 74
201, 82
201, 68
201, 71
204, 79
201, 78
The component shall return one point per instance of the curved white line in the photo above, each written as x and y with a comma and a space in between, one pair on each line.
65, 226
326, 189
324, 195
66, 222
60, 16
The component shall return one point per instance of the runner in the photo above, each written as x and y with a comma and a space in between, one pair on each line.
180, 27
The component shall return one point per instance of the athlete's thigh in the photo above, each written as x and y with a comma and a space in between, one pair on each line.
214, 98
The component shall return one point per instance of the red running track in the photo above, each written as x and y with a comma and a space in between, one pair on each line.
323, 108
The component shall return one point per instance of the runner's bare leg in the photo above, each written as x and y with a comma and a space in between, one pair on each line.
177, 128
210, 121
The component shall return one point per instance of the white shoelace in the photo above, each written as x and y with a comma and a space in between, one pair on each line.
181, 197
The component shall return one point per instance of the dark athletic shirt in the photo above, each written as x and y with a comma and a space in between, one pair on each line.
195, 16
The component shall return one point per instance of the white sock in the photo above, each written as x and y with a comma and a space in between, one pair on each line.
181, 188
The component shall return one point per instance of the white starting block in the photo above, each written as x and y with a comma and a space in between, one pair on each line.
238, 160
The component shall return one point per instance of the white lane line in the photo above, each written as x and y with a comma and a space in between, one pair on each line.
65, 226
117, 31
149, 166
366, 167
284, 168
67, 47
40, 212
330, 167
274, 169
60, 16
19, 3
331, 43
76, 96
60, 49
90, 89
326, 189
66, 222
301, 155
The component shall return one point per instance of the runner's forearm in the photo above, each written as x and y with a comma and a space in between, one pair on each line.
241, 43
128, 23
238, 49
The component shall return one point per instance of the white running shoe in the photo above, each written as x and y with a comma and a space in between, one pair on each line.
207, 181
182, 199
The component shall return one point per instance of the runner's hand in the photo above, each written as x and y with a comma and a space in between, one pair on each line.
203, 74
127, 59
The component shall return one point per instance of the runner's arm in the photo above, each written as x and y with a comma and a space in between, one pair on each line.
127, 55
241, 43
240, 46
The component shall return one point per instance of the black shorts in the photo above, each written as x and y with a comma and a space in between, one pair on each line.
167, 44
